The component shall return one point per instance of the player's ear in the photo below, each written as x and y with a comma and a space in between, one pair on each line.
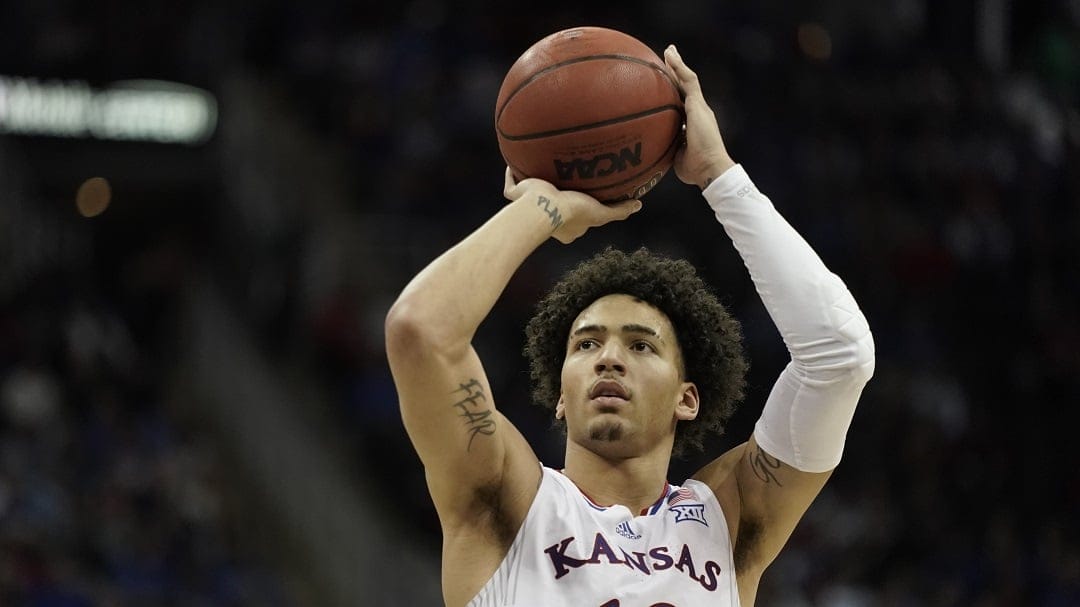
560, 408
687, 407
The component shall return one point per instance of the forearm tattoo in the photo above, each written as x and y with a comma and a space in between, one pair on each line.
551, 210
472, 407
763, 465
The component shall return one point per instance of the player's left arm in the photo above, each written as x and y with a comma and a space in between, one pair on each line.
800, 436
767, 484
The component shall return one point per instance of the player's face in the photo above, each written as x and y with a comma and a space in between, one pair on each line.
622, 380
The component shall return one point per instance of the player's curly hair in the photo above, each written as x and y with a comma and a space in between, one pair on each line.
709, 337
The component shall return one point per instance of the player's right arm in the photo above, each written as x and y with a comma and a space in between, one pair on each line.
473, 457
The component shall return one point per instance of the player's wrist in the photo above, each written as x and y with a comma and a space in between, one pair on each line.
545, 212
713, 170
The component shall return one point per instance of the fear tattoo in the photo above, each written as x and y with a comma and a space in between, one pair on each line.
471, 408
763, 465
551, 210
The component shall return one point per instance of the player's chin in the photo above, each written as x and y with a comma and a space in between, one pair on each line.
607, 429
612, 437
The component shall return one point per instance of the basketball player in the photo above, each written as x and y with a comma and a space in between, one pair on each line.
639, 360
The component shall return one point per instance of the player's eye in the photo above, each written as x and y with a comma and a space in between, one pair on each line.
642, 346
587, 344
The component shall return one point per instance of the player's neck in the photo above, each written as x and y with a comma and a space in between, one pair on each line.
634, 482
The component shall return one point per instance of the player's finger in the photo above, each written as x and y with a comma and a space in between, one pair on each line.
509, 184
687, 79
693, 99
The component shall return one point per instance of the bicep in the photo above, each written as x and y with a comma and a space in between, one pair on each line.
773, 497
447, 406
448, 410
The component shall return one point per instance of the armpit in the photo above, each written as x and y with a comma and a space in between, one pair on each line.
747, 542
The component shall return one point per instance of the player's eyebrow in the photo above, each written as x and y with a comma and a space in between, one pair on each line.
630, 328
589, 329
636, 328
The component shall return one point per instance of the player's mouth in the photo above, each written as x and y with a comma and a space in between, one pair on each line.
609, 393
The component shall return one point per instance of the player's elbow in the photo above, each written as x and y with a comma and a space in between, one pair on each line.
844, 351
405, 330
858, 342
846, 344
410, 332
399, 329
862, 360
408, 328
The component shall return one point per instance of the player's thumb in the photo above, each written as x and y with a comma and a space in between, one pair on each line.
510, 185
624, 209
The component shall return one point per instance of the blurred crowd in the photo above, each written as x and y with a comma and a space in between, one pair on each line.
930, 152
110, 493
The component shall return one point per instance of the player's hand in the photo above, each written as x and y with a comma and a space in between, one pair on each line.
570, 213
703, 157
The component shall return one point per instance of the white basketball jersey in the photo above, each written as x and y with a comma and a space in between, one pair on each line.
573, 552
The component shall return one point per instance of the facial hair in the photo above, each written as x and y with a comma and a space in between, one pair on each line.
606, 432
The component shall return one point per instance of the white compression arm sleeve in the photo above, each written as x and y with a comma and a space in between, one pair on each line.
806, 418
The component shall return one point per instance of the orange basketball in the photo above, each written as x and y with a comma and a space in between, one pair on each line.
590, 109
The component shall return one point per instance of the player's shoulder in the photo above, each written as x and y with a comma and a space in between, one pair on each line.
719, 476
720, 471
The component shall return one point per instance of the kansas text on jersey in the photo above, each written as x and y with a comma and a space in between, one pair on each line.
571, 551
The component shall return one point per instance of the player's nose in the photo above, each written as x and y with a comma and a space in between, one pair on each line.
610, 359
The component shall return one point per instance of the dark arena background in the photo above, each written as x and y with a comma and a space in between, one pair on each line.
207, 208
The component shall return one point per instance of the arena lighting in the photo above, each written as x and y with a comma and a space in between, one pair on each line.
130, 110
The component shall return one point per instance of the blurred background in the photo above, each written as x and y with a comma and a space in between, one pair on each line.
195, 407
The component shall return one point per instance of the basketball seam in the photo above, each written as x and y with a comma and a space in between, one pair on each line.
591, 125
561, 64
